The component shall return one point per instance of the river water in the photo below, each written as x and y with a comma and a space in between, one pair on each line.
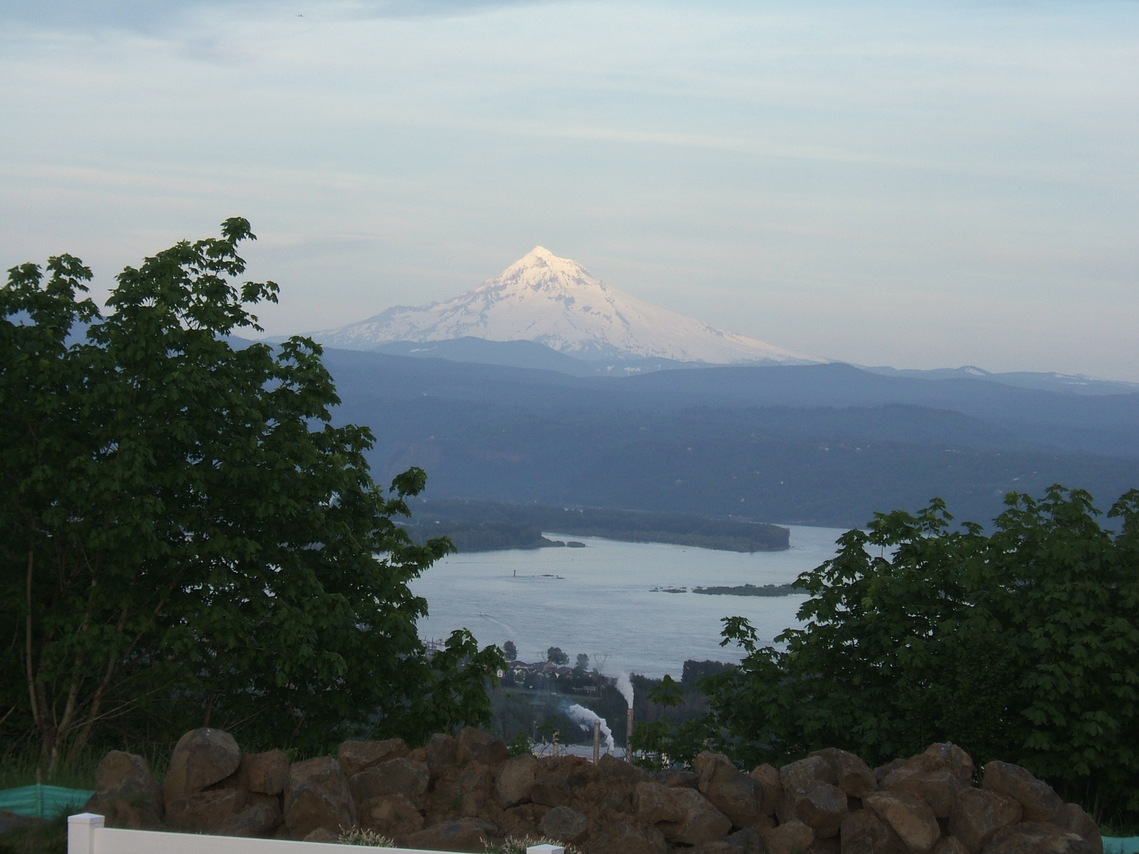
600, 600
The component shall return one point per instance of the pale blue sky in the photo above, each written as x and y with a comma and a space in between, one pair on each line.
919, 184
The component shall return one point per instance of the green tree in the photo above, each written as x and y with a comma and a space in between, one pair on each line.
554, 655
510, 651
185, 535
1016, 644
582, 664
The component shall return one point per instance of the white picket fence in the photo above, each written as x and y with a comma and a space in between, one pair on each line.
86, 834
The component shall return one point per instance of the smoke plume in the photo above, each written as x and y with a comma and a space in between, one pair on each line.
586, 718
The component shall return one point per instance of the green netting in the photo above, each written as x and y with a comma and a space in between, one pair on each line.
43, 801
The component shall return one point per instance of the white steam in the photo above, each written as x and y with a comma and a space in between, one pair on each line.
586, 718
625, 687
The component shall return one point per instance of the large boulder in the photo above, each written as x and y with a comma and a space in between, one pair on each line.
126, 793
224, 812
477, 745
391, 815
979, 813
401, 776
440, 753
514, 779
737, 795
624, 837
848, 772
357, 756
683, 815
318, 796
201, 758
788, 838
811, 796
1038, 800
264, 773
563, 781
564, 824
618, 780
909, 817
937, 788
864, 832
1035, 837
466, 834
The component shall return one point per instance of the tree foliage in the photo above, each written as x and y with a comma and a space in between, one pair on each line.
186, 538
554, 655
1017, 644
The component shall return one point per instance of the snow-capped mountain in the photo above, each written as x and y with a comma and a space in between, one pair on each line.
556, 302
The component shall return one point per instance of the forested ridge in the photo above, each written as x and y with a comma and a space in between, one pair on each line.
484, 525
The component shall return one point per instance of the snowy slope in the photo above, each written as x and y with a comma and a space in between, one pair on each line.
557, 302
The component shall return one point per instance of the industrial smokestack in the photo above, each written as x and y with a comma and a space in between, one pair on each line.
596, 742
629, 735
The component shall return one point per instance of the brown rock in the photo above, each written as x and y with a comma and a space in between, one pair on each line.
523, 820
1074, 818
735, 794
564, 824
474, 744
259, 819
654, 803
323, 834
210, 812
619, 780
910, 818
1039, 800
514, 779
802, 774
201, 758
821, 806
678, 778
699, 821
357, 756
264, 773
769, 781
442, 752
126, 793
400, 776
1036, 837
864, 832
621, 837
318, 796
949, 757
849, 773
392, 815
937, 788
788, 837
466, 834
950, 845
978, 814
560, 780
745, 841
475, 789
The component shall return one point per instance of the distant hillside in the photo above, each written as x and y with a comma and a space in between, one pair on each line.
814, 444
482, 525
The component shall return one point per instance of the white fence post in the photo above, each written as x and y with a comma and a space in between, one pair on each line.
81, 832
545, 849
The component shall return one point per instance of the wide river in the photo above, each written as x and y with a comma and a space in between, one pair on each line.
601, 601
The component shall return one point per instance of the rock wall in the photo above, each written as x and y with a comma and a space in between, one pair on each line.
458, 793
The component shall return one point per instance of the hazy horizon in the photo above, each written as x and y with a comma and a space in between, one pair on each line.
915, 185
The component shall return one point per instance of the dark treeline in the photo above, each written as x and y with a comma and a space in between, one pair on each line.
484, 525
749, 590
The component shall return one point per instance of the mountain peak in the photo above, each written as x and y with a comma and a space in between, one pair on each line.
558, 303
541, 269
